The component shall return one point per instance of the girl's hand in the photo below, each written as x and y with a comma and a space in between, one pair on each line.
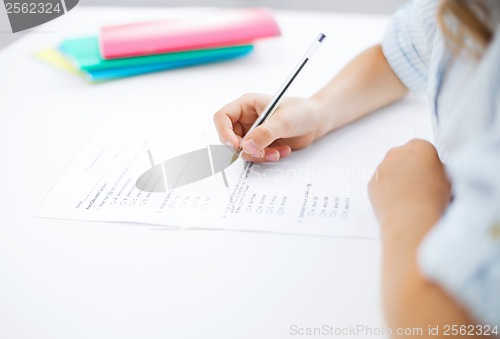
295, 124
409, 184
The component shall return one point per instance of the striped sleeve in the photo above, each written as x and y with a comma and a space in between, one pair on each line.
462, 252
406, 45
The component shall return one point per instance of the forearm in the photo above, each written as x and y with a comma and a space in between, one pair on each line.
411, 301
366, 84
409, 193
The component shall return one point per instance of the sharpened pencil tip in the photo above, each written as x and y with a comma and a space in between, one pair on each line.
236, 154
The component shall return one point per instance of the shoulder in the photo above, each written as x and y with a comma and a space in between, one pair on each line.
409, 41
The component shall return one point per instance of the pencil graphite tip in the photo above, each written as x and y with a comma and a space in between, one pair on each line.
236, 154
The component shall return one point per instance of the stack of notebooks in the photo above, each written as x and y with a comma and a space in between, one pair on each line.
133, 49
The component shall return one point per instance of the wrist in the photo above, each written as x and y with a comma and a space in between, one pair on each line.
406, 226
326, 119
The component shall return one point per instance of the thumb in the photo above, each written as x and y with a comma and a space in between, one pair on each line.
264, 135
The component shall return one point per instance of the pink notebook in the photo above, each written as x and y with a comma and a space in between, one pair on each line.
224, 28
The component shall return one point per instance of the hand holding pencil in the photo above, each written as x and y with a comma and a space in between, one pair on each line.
295, 125
246, 123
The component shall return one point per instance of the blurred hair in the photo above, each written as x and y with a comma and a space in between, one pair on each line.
466, 24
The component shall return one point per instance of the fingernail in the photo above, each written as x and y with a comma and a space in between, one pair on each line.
273, 157
284, 152
250, 147
228, 143
258, 155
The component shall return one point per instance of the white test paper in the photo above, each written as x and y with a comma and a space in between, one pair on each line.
317, 191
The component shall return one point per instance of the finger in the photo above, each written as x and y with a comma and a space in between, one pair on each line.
281, 147
242, 111
269, 154
279, 126
224, 127
238, 129
266, 155
283, 150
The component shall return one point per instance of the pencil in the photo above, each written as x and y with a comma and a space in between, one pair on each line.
274, 103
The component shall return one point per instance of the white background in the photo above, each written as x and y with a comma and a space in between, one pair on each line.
62, 279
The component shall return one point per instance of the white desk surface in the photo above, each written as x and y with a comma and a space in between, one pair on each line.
67, 279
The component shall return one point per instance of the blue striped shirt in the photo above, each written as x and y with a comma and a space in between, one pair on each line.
462, 252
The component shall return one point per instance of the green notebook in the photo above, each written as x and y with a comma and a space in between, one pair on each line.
85, 54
